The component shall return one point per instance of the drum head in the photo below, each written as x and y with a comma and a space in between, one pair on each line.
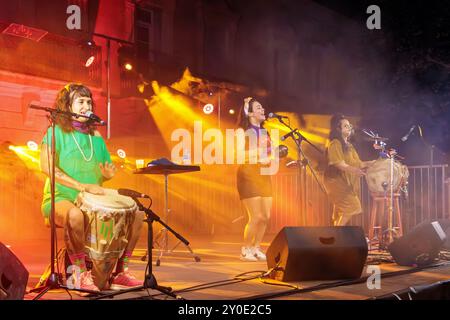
110, 202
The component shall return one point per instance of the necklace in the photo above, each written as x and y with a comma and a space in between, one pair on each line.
81, 151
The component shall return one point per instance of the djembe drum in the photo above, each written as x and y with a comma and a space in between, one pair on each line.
108, 224
378, 177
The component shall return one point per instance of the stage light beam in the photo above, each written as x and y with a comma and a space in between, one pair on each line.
24, 153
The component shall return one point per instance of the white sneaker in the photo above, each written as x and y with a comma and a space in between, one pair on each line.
82, 281
259, 254
368, 244
247, 254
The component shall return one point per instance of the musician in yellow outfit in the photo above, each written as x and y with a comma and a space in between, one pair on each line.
344, 169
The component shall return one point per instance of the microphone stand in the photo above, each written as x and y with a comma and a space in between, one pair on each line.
429, 145
53, 112
431, 164
304, 163
150, 280
53, 280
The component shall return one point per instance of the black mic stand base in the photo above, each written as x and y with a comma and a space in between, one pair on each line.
149, 283
150, 280
53, 283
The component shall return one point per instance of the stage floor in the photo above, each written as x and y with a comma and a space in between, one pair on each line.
220, 264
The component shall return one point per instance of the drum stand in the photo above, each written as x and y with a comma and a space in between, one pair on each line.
163, 232
150, 280
54, 279
390, 231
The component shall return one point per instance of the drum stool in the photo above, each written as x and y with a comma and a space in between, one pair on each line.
382, 202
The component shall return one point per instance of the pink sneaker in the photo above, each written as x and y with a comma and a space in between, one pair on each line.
125, 280
85, 282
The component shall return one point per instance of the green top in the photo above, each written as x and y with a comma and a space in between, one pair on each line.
70, 160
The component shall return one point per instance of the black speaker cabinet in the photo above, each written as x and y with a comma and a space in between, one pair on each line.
13, 275
420, 246
445, 224
317, 253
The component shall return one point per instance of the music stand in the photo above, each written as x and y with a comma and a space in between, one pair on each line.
53, 280
166, 167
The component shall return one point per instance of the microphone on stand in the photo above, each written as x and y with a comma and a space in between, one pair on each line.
92, 116
35, 106
53, 110
132, 193
277, 116
287, 135
406, 136
89, 114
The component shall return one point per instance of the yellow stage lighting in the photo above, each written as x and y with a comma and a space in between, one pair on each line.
33, 146
89, 61
121, 153
208, 108
128, 66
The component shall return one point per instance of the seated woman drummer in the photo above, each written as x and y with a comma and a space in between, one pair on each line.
83, 164
343, 172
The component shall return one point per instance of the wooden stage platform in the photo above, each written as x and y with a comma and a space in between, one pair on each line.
220, 275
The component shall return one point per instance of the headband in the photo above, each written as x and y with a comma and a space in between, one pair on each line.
67, 86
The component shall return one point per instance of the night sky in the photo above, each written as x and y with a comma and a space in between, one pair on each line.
416, 89
413, 51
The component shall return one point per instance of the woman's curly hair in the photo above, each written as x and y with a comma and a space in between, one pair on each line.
64, 101
335, 130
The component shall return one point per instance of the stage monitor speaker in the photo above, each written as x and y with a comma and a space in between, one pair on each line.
445, 224
419, 247
317, 253
13, 276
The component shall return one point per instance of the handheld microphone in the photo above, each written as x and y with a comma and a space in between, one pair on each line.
406, 136
274, 115
132, 193
94, 117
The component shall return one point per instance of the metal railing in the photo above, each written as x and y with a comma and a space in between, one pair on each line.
428, 195
427, 199
202, 203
